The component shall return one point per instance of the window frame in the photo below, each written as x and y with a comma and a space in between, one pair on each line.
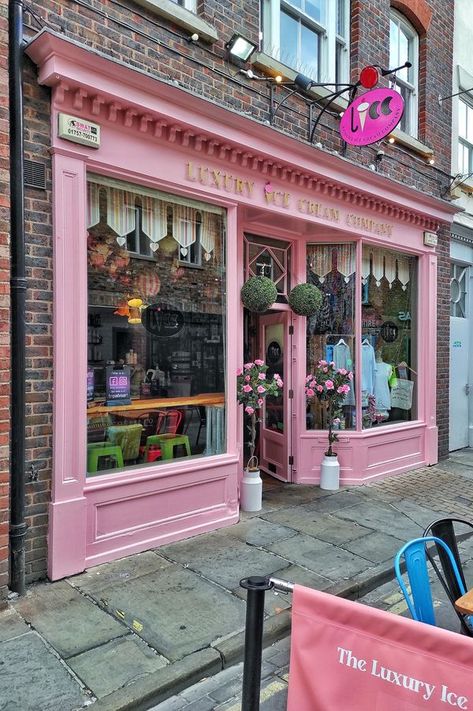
329, 40
463, 140
190, 5
412, 106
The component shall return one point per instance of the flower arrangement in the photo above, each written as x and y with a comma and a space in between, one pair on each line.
329, 385
252, 388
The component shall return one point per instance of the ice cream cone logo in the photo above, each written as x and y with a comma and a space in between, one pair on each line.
362, 111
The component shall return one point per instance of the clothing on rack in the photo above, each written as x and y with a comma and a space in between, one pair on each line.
342, 359
382, 392
368, 372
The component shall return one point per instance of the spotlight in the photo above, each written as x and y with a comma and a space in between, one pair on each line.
239, 48
194, 37
278, 79
303, 82
391, 139
432, 161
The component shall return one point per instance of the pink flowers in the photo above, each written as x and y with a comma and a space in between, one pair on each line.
343, 389
259, 363
320, 388
329, 383
261, 389
249, 410
261, 376
247, 388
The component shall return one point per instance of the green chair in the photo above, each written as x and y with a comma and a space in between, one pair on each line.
167, 442
98, 450
127, 437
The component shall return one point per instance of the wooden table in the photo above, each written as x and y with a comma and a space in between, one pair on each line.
148, 404
464, 604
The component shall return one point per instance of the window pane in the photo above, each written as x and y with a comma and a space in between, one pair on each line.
156, 332
309, 52
289, 40
393, 44
341, 29
462, 119
296, 3
469, 124
316, 10
403, 55
331, 332
389, 337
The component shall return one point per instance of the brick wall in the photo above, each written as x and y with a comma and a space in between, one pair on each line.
4, 303
144, 40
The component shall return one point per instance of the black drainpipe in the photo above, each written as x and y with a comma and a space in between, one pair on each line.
18, 525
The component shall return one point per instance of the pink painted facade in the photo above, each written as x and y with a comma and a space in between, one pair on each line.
156, 135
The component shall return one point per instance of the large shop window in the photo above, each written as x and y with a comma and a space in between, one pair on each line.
387, 333
156, 327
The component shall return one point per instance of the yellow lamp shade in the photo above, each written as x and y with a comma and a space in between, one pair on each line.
135, 303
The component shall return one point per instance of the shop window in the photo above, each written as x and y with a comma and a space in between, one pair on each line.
465, 138
331, 332
270, 258
404, 46
459, 275
308, 36
156, 330
389, 337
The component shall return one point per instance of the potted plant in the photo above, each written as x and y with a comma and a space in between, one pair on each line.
329, 385
305, 299
252, 388
258, 293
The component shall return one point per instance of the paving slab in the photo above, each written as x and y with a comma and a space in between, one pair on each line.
118, 571
177, 612
259, 532
69, 621
33, 679
377, 547
382, 518
320, 525
115, 664
334, 502
302, 576
222, 558
335, 563
12, 625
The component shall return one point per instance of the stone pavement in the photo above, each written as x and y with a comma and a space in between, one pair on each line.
133, 633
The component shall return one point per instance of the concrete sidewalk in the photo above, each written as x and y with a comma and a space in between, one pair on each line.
129, 634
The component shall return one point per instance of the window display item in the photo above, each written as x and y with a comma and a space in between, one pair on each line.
368, 371
342, 359
401, 394
382, 392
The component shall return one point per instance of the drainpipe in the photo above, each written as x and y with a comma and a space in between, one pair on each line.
18, 525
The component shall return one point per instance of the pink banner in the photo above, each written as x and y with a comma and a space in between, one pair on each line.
349, 657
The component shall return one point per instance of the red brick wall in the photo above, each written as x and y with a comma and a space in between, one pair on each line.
4, 302
144, 40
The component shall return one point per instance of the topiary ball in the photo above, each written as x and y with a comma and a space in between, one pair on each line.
305, 299
258, 294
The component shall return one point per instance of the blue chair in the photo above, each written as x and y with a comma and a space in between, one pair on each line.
420, 601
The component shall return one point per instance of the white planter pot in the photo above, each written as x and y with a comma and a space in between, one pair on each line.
251, 490
330, 473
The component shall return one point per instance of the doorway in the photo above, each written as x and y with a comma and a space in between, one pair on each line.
460, 356
275, 455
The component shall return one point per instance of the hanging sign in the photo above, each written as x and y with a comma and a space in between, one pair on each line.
79, 130
371, 116
118, 385
389, 331
162, 321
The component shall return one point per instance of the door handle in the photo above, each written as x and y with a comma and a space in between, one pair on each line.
467, 389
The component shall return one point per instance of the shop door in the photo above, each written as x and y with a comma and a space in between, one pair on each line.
460, 382
275, 426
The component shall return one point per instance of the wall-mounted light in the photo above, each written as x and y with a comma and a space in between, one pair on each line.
431, 161
391, 139
240, 49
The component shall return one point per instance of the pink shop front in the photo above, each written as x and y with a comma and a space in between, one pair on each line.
155, 231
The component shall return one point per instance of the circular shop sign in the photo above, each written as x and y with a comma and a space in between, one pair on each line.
371, 116
162, 320
389, 331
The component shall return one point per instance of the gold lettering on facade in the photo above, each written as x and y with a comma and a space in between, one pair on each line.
366, 224
278, 198
190, 172
217, 178
221, 181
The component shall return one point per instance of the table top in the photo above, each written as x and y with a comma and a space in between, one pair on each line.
159, 403
465, 603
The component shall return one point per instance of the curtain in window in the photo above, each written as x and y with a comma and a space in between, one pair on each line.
154, 219
321, 261
390, 268
121, 214
365, 266
184, 227
403, 271
93, 205
346, 261
210, 234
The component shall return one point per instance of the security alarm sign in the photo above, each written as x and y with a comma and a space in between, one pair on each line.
371, 116
78, 130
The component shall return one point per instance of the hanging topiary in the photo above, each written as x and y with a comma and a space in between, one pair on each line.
305, 299
258, 294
